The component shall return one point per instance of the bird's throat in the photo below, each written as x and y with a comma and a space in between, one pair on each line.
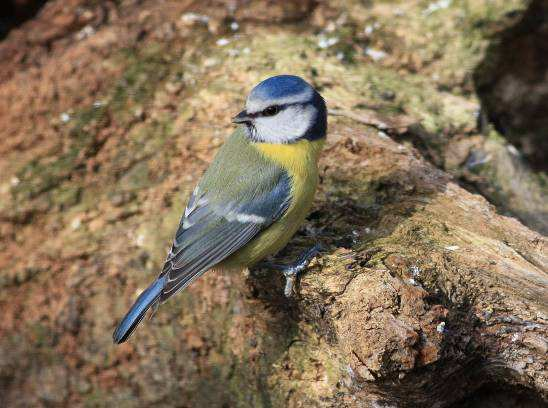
298, 158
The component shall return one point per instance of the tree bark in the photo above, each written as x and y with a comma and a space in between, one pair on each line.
424, 295
436, 293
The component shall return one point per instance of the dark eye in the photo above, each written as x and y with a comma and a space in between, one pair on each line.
271, 110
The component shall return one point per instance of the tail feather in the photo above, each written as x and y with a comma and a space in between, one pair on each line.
137, 312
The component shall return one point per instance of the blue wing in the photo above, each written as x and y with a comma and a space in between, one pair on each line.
212, 228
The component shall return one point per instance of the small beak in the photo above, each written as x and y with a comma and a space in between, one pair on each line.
241, 117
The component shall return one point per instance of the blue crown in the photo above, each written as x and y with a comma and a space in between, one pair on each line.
279, 86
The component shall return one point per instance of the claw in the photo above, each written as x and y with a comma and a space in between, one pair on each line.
292, 271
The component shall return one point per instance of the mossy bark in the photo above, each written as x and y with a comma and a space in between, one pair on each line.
424, 294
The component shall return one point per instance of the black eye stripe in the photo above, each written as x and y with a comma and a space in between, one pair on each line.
271, 110
280, 108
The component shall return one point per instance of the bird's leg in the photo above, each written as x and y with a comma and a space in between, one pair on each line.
292, 270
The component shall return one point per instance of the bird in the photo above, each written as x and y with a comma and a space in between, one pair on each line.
253, 197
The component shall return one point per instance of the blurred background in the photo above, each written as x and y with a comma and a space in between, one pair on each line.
111, 110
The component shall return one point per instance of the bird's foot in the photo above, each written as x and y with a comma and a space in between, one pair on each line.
291, 271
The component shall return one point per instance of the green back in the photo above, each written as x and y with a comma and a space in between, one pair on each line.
247, 171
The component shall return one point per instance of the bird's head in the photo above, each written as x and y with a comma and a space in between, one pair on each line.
284, 109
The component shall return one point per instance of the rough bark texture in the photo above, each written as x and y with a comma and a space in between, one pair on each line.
425, 294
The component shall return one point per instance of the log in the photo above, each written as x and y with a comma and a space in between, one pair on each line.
437, 294
424, 295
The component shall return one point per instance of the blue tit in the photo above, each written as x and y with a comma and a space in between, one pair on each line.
253, 197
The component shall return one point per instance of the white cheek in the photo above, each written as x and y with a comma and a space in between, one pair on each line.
288, 125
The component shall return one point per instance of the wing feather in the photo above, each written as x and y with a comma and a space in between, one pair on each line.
186, 275
212, 229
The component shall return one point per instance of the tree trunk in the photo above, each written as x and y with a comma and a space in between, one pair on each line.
423, 296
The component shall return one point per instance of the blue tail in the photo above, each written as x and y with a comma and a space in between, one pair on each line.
132, 318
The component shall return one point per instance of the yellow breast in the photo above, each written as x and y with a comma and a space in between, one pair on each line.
300, 160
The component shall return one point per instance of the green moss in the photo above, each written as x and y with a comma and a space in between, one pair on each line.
44, 174
67, 196
101, 398
136, 178
145, 69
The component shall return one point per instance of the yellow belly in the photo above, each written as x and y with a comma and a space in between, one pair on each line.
301, 162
